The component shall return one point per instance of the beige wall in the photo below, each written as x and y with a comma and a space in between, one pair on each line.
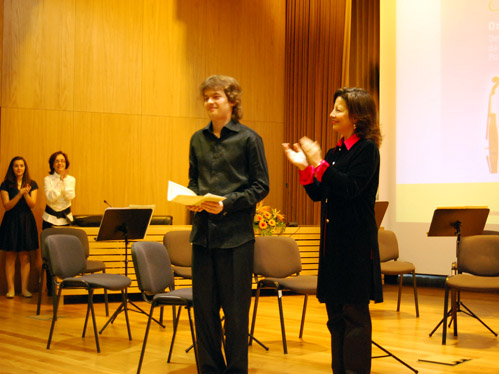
115, 85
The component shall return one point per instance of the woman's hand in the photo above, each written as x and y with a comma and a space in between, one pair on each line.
295, 155
25, 190
312, 151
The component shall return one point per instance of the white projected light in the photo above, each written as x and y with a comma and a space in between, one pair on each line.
447, 104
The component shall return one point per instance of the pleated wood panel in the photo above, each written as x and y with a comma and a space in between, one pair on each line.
113, 252
38, 54
108, 56
115, 85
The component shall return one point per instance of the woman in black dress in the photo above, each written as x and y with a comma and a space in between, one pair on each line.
18, 232
345, 181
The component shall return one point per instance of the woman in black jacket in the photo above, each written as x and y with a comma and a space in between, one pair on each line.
346, 182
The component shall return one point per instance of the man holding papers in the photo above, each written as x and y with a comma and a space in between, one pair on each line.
227, 159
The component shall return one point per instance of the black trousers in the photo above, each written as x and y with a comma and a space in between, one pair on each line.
221, 278
351, 334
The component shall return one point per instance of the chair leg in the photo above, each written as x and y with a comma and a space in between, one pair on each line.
401, 276
303, 315
54, 317
444, 320
281, 316
91, 307
253, 320
175, 325
174, 313
415, 293
106, 302
40, 288
145, 338
86, 316
106, 299
55, 299
193, 339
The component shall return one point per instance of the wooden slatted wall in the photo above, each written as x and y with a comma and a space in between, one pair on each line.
113, 252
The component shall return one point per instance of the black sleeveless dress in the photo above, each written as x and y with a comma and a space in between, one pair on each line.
18, 230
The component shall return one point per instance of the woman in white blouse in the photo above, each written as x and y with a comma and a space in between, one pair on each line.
59, 189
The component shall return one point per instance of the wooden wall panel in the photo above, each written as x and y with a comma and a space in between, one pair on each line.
163, 144
108, 56
248, 46
34, 135
173, 64
1, 48
102, 160
136, 68
38, 59
115, 85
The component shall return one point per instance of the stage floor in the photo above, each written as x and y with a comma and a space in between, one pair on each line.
23, 338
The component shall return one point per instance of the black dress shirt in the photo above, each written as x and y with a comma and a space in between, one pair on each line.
233, 166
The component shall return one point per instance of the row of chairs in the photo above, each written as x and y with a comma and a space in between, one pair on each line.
476, 270
65, 258
150, 260
279, 275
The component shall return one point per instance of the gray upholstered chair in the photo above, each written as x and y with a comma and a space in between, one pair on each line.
277, 259
179, 248
389, 254
154, 275
91, 266
477, 271
66, 261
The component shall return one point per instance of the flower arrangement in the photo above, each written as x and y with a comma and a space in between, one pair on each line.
268, 221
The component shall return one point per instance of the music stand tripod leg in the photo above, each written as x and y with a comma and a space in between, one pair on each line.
471, 314
124, 305
388, 353
113, 317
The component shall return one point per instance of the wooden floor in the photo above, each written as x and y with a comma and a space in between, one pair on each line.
23, 339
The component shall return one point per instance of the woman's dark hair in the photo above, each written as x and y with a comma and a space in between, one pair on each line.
362, 111
11, 178
232, 90
52, 160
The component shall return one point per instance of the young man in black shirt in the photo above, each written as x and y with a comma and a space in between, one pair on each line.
225, 158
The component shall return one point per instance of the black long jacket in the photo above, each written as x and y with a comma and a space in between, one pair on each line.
349, 266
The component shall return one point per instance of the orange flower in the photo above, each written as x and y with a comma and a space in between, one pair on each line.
267, 220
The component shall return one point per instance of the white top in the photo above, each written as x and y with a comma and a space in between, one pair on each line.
59, 194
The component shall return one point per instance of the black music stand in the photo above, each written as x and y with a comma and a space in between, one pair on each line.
124, 224
458, 221
380, 208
